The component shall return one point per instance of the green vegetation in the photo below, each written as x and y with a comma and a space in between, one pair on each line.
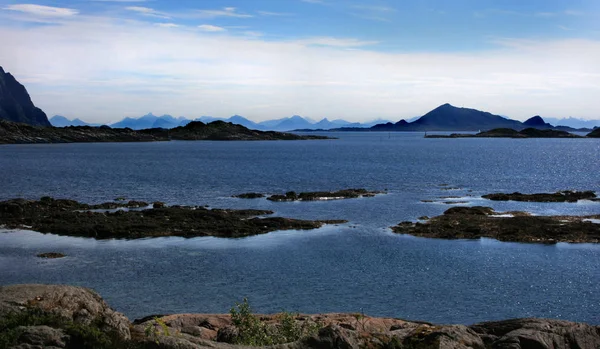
153, 330
251, 330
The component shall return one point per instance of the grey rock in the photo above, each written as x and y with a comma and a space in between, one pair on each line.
41, 337
81, 305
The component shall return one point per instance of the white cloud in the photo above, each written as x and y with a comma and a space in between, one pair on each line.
211, 28
275, 14
167, 25
225, 12
335, 42
147, 11
43, 11
131, 67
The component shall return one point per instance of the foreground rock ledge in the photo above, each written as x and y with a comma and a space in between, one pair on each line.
71, 218
344, 331
477, 222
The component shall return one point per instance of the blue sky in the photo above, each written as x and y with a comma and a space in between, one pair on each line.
358, 60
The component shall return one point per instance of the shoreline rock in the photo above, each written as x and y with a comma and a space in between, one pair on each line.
71, 218
86, 309
323, 195
560, 196
477, 222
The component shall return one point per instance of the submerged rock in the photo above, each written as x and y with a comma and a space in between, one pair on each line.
477, 222
51, 255
250, 196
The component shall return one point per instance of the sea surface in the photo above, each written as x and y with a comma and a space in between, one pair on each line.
360, 266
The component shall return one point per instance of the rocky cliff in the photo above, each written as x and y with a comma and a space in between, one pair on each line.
15, 103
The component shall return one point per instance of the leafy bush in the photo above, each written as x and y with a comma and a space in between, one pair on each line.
252, 331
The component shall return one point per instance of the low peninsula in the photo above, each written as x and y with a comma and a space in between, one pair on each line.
134, 219
511, 133
483, 222
18, 133
69, 317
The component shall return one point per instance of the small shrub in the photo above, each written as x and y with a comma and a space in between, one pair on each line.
254, 332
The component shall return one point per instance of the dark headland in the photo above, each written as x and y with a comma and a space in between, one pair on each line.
69, 317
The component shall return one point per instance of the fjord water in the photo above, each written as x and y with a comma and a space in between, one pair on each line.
356, 267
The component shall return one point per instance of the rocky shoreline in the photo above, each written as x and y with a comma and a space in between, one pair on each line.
483, 222
17, 133
59, 316
134, 219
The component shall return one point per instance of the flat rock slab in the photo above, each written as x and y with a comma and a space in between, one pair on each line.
477, 222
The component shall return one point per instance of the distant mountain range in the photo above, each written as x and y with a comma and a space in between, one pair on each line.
450, 118
443, 118
168, 122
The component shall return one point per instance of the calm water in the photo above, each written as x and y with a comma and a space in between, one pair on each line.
359, 266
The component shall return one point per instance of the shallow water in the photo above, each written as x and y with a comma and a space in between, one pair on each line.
359, 266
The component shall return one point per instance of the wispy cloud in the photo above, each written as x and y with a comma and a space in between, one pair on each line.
314, 1
270, 13
167, 25
211, 28
335, 42
43, 11
225, 12
147, 11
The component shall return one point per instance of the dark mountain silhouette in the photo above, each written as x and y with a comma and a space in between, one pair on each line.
537, 122
450, 118
16, 105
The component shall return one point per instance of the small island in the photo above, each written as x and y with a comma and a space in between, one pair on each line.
477, 222
560, 196
136, 219
511, 133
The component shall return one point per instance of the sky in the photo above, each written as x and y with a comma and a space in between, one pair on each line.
358, 60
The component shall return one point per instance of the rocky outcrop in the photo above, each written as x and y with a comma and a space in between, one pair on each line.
82, 307
17, 133
477, 222
560, 196
77, 304
15, 103
71, 218
324, 195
